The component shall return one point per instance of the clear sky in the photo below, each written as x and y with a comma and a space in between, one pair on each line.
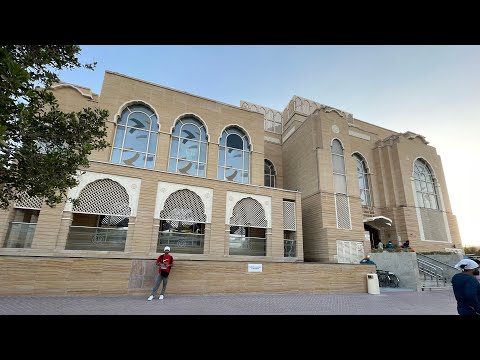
430, 90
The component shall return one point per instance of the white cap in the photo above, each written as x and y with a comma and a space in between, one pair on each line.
167, 248
466, 264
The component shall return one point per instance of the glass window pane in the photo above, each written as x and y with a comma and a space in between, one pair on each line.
361, 183
426, 200
363, 197
278, 128
221, 156
246, 161
340, 184
417, 185
172, 165
203, 152
420, 199
116, 156
220, 173
233, 175
433, 202
142, 108
269, 126
185, 167
139, 120
152, 146
234, 158
154, 123
430, 188
267, 180
123, 119
136, 140
337, 148
133, 158
174, 147
190, 131
234, 141
150, 161
119, 136
245, 178
188, 150
337, 162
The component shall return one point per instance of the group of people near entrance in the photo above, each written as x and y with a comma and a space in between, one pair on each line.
405, 245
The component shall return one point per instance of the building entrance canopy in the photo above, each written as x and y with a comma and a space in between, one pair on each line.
378, 222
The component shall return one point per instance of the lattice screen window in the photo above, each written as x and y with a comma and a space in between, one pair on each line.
29, 202
184, 205
343, 211
104, 197
248, 212
289, 222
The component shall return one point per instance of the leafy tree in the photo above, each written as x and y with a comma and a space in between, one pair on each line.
41, 147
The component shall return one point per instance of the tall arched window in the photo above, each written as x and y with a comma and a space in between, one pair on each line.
188, 148
234, 156
269, 173
338, 162
425, 185
136, 136
340, 186
363, 182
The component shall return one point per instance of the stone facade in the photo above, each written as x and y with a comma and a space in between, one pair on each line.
330, 222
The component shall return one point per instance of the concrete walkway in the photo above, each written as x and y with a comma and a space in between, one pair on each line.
388, 302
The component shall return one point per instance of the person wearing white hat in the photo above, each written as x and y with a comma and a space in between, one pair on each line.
164, 263
466, 288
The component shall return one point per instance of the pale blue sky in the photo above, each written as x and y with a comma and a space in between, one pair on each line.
430, 90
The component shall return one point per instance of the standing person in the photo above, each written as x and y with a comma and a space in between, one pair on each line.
164, 263
467, 288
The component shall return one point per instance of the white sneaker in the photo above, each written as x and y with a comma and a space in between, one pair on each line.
150, 298
161, 297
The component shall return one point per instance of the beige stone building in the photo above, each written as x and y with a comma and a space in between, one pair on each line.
227, 184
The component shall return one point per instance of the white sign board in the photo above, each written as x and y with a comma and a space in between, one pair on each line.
254, 267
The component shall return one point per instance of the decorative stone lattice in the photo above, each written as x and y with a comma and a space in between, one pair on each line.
104, 197
289, 222
184, 205
248, 212
29, 202
343, 212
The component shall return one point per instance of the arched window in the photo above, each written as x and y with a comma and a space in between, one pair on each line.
188, 148
136, 136
340, 186
234, 156
425, 185
269, 173
363, 181
338, 162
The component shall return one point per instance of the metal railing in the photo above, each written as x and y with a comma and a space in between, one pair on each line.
96, 238
185, 243
289, 248
433, 271
19, 235
252, 246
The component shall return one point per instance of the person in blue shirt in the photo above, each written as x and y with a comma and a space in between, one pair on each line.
366, 260
389, 245
466, 288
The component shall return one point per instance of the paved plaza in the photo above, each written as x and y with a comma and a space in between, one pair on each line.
388, 302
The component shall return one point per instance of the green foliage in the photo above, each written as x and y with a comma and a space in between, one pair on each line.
41, 147
474, 250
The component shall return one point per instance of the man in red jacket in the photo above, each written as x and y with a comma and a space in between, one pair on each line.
164, 263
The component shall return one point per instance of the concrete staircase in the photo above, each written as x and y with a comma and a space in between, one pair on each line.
434, 274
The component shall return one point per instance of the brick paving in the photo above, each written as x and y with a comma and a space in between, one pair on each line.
389, 302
